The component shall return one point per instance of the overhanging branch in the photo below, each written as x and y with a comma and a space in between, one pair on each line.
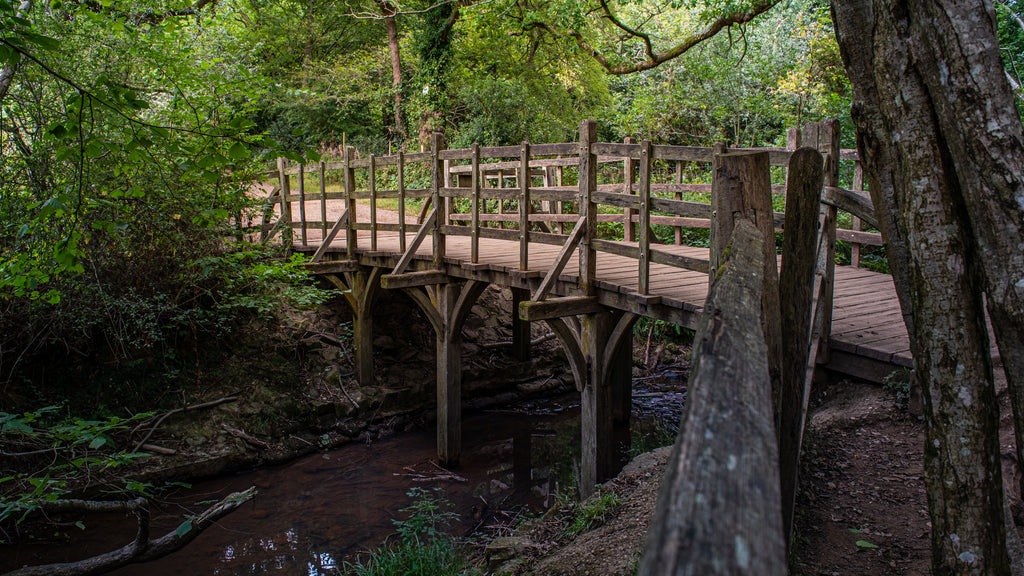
654, 59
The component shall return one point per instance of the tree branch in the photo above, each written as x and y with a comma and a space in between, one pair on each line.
655, 59
142, 549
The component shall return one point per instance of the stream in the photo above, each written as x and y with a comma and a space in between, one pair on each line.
317, 512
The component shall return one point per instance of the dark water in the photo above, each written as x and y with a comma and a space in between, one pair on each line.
313, 514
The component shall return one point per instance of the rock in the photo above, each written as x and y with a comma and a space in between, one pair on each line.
502, 550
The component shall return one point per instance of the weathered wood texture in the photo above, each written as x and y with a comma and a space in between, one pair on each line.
798, 302
741, 189
718, 511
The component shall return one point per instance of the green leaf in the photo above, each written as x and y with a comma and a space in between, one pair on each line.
80, 524
855, 530
865, 544
238, 151
44, 42
184, 528
97, 442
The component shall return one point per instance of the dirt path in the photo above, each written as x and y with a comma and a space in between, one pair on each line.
862, 508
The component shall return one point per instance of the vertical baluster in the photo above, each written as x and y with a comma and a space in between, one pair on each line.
643, 283
401, 200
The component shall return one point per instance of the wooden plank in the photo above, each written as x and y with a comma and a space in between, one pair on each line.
341, 223
856, 203
619, 151
532, 311
681, 207
413, 279
683, 153
679, 261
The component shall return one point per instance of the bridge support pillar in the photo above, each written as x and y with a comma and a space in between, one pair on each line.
447, 306
361, 288
599, 348
520, 328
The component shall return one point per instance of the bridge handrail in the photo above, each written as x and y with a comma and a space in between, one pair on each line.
719, 509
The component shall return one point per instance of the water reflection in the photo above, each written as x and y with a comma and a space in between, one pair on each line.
313, 514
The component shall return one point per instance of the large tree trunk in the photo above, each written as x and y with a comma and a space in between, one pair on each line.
388, 10
938, 265
982, 128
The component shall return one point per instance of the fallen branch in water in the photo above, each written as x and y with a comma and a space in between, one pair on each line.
142, 549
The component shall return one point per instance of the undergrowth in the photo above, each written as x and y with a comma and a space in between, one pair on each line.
422, 548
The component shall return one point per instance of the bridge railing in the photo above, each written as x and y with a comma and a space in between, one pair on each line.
718, 510
532, 193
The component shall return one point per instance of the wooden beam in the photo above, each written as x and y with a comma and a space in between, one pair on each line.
558, 307
326, 242
331, 267
561, 260
426, 228
412, 279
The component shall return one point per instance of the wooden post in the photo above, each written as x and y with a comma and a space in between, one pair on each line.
351, 242
474, 230
597, 452
449, 378
373, 203
797, 300
286, 205
718, 509
524, 206
323, 200
858, 184
679, 196
401, 201
588, 210
716, 241
302, 204
825, 137
437, 182
643, 284
741, 188
447, 306
520, 327
628, 170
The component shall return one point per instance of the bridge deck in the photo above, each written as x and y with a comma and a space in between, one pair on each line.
868, 339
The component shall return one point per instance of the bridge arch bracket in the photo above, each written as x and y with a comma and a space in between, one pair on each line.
447, 306
360, 285
598, 346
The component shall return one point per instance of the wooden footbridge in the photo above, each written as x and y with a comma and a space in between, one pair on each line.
588, 236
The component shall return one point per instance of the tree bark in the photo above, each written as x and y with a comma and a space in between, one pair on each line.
914, 169
388, 10
982, 128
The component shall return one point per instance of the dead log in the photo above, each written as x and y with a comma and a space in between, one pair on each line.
142, 549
